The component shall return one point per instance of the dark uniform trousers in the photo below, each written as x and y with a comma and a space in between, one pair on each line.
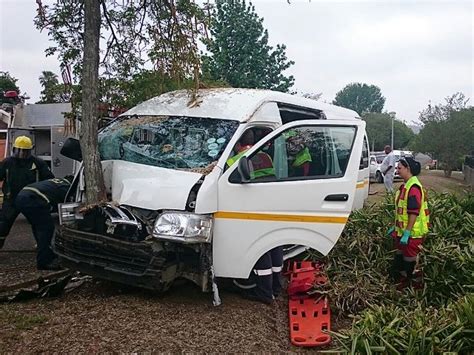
264, 282
8, 215
38, 213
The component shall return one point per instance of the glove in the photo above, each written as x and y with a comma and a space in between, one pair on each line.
390, 231
405, 237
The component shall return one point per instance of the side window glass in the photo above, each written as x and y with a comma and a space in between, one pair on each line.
364, 159
303, 153
245, 142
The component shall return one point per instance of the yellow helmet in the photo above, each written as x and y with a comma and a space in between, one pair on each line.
23, 142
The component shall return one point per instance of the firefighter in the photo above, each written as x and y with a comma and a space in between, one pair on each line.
36, 202
411, 223
16, 172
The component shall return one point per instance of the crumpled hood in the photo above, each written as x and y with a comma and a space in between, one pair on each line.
148, 187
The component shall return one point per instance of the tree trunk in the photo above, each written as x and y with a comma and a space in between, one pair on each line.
95, 188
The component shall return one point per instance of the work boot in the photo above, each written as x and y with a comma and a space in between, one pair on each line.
254, 295
403, 283
397, 266
417, 280
52, 266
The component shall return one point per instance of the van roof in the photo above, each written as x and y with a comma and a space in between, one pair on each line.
229, 103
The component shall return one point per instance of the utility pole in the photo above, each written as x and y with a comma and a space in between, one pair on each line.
392, 116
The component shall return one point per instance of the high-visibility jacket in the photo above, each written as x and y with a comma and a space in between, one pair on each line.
302, 157
420, 228
236, 157
262, 165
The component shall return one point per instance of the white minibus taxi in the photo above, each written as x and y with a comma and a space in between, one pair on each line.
203, 188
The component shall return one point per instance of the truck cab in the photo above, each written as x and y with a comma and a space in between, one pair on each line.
202, 188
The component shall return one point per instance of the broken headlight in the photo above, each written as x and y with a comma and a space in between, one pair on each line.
69, 212
183, 227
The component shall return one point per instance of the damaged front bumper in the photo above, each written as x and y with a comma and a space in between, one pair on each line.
139, 264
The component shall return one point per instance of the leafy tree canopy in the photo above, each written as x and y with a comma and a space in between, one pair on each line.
240, 53
134, 35
361, 98
447, 138
8, 82
441, 112
53, 91
163, 33
143, 86
379, 131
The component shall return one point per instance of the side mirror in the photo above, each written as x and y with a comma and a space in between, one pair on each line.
244, 169
72, 149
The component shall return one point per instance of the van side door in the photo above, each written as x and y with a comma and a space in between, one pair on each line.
300, 190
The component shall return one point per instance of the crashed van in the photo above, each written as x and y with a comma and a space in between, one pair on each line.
202, 187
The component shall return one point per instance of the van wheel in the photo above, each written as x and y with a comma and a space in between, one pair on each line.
378, 177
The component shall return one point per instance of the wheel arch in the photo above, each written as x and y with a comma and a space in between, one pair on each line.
282, 237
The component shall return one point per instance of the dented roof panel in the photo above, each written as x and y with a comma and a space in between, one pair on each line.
229, 103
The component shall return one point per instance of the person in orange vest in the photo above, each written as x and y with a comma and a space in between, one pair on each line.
244, 143
17, 171
411, 224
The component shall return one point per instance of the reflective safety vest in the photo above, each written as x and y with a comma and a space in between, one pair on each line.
262, 165
302, 157
420, 228
236, 157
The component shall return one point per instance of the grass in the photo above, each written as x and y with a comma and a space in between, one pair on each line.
436, 319
23, 321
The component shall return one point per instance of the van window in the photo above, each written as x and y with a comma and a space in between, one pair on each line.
364, 159
246, 141
168, 142
305, 152
290, 113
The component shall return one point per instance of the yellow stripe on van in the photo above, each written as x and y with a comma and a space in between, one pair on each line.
279, 217
361, 184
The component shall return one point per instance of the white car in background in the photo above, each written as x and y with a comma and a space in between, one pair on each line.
376, 159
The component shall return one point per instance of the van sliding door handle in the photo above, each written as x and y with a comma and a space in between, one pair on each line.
337, 197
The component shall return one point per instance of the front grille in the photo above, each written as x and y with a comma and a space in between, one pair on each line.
129, 258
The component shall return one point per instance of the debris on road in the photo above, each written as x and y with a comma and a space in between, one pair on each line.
50, 285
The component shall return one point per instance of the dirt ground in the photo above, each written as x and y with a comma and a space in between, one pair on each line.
430, 179
101, 317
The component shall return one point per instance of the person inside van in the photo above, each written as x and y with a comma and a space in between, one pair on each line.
298, 155
264, 283
243, 144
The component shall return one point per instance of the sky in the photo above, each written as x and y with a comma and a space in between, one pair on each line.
414, 51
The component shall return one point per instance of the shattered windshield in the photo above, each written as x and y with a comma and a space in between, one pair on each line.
168, 142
